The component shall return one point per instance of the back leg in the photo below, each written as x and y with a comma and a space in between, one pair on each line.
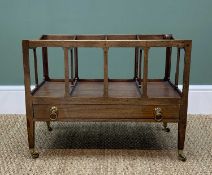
48, 126
165, 128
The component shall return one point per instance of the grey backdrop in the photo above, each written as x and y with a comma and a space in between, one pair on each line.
28, 19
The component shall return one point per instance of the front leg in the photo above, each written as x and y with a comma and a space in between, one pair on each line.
181, 140
31, 138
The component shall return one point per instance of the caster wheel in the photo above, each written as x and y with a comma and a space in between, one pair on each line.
166, 129
50, 128
181, 156
35, 155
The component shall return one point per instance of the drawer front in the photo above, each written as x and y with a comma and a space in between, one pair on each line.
104, 112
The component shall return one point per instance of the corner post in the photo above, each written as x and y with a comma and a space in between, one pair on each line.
184, 103
28, 99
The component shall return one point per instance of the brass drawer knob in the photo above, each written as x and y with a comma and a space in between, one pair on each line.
53, 113
158, 114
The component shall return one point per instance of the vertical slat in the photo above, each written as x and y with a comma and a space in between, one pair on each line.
140, 66
168, 63
76, 62
136, 64
35, 66
145, 73
177, 67
66, 66
45, 63
105, 72
71, 67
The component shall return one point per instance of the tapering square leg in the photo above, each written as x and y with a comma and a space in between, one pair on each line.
31, 138
181, 140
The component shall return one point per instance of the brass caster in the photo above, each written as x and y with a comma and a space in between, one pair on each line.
165, 128
181, 156
34, 154
50, 128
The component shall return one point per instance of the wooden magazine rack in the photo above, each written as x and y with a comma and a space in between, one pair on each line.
138, 99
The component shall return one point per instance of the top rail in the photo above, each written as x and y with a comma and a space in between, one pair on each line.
105, 37
109, 43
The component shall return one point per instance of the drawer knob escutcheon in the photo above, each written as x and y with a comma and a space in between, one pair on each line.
53, 113
158, 114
